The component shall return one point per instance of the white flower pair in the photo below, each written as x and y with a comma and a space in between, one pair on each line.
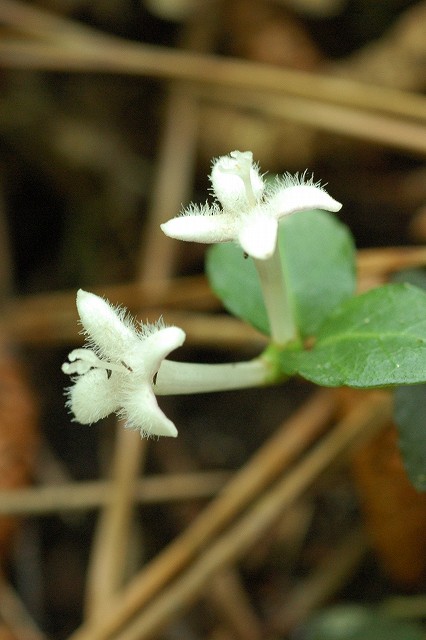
116, 372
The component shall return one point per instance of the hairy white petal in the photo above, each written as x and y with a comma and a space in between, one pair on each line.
106, 327
118, 377
146, 357
229, 178
93, 396
258, 235
251, 209
205, 229
205, 209
302, 197
161, 343
142, 413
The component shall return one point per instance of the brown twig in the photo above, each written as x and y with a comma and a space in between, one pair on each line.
357, 426
107, 563
342, 120
172, 187
107, 560
227, 593
76, 496
336, 115
275, 455
51, 318
383, 262
109, 54
14, 613
376, 266
88, 48
220, 332
40, 23
327, 579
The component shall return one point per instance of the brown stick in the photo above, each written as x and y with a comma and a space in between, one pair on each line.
107, 560
174, 64
201, 329
15, 615
389, 260
361, 423
318, 588
109, 54
226, 592
341, 120
275, 455
173, 182
77, 496
51, 318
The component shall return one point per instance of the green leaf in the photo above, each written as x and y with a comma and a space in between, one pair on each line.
410, 408
373, 340
410, 411
318, 256
354, 622
319, 261
234, 279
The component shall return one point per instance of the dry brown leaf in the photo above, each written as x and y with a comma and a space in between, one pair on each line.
394, 512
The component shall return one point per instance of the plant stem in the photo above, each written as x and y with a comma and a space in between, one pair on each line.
176, 378
277, 299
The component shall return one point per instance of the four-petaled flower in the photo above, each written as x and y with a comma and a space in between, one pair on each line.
115, 373
250, 209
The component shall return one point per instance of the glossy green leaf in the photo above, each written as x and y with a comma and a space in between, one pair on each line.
372, 340
319, 261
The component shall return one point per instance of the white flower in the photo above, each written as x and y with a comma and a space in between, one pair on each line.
115, 373
250, 209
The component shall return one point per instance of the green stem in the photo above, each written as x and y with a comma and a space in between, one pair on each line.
277, 299
176, 378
